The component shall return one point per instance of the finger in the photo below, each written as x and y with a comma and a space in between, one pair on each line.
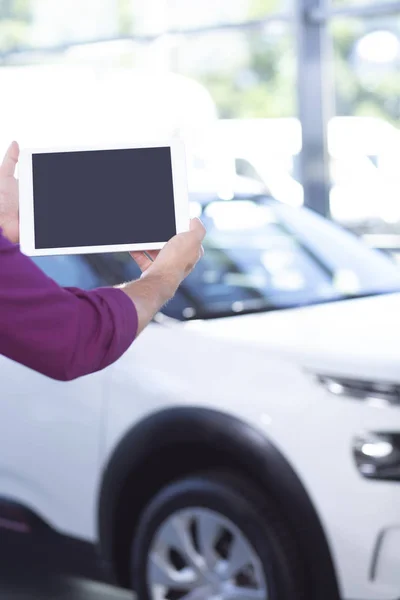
141, 260
153, 253
198, 228
7, 168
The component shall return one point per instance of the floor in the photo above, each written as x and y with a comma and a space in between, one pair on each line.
23, 577
39, 588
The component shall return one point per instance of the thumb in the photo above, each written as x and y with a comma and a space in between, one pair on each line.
7, 168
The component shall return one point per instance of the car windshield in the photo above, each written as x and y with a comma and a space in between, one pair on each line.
260, 255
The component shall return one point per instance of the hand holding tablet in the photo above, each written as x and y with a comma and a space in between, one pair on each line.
176, 260
162, 276
85, 201
102, 200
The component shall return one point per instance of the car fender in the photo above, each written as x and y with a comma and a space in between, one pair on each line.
248, 448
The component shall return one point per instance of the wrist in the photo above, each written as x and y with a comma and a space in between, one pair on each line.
149, 294
163, 282
10, 230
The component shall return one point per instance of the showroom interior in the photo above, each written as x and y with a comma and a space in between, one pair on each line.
237, 435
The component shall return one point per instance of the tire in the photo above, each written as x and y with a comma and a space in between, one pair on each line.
249, 523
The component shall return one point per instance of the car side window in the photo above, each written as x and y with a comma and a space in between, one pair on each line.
70, 271
252, 262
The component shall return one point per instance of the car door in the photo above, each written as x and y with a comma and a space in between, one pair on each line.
50, 431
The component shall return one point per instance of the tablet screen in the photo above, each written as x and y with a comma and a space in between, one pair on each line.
103, 197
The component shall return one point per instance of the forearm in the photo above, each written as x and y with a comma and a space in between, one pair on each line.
149, 294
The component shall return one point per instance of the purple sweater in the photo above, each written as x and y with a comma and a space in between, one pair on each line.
61, 332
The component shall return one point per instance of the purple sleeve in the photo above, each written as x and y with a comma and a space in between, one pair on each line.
61, 332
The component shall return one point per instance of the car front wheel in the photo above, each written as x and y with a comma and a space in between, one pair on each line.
214, 537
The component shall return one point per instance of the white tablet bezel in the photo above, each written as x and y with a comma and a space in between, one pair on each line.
26, 204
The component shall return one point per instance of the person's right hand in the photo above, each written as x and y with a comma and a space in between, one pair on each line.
176, 260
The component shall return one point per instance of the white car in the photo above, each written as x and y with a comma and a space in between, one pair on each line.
247, 446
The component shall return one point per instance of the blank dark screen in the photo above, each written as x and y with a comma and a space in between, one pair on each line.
103, 197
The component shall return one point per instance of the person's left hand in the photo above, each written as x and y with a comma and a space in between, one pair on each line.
9, 213
143, 261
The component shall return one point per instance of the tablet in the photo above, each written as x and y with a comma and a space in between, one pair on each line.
88, 200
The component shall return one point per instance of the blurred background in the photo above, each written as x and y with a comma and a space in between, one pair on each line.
299, 95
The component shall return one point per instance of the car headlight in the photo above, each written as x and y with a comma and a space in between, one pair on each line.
377, 455
377, 393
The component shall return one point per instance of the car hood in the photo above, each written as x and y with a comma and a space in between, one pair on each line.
359, 337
